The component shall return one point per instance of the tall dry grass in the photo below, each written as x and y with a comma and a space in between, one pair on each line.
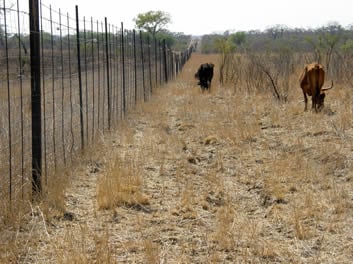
121, 185
229, 176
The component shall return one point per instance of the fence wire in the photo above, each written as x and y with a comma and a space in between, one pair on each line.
92, 73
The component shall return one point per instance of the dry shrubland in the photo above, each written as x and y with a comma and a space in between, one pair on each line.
227, 176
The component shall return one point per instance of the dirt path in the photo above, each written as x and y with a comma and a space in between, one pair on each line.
225, 180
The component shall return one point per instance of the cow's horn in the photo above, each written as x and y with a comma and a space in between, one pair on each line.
327, 88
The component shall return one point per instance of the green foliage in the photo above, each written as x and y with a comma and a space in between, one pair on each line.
152, 21
224, 45
181, 41
322, 41
207, 44
168, 37
347, 47
175, 41
238, 38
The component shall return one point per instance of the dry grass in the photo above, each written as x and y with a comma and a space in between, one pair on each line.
191, 177
120, 186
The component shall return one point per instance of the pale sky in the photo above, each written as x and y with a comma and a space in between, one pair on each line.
204, 17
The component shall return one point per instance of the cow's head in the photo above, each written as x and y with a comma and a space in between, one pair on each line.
321, 99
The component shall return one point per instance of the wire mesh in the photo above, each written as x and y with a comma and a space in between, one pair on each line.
91, 74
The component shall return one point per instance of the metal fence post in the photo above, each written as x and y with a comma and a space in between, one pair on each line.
8, 103
143, 68
123, 67
35, 98
135, 65
165, 61
108, 75
155, 60
149, 64
79, 77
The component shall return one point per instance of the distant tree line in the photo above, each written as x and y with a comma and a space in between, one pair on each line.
266, 60
281, 37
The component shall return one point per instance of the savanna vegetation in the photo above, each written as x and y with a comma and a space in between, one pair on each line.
267, 59
239, 174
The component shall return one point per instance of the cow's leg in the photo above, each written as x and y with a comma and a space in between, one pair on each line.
313, 102
305, 101
204, 84
316, 100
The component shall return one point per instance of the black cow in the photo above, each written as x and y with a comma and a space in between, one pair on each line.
205, 75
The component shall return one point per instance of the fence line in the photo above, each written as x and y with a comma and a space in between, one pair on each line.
89, 73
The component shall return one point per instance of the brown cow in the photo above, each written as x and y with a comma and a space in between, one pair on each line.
311, 82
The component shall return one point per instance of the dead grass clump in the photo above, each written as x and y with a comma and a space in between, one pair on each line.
338, 199
184, 126
192, 159
82, 245
103, 248
210, 140
306, 215
274, 190
151, 251
247, 129
121, 185
53, 201
266, 252
301, 226
12, 219
276, 183
188, 202
128, 137
24, 221
224, 234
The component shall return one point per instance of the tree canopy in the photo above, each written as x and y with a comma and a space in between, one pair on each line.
152, 21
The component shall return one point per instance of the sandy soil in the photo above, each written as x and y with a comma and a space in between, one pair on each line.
227, 177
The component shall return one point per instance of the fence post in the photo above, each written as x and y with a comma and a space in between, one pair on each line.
99, 80
123, 67
135, 65
160, 59
155, 60
143, 68
8, 102
108, 70
86, 77
53, 90
35, 98
93, 80
165, 61
79, 77
149, 64
20, 45
62, 95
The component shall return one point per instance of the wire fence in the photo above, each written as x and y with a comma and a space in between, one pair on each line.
91, 73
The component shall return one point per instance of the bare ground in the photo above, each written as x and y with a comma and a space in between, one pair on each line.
221, 177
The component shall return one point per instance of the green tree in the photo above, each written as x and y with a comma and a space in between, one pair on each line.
168, 37
238, 38
226, 49
331, 35
152, 21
